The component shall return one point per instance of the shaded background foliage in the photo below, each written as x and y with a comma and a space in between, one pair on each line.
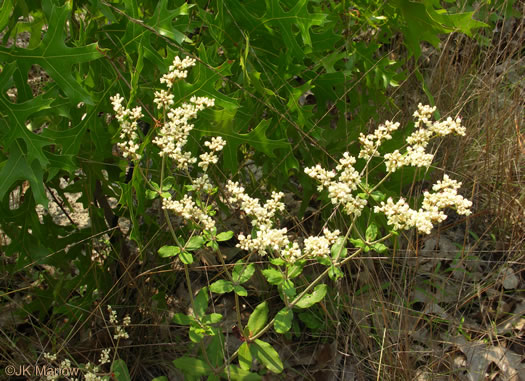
295, 82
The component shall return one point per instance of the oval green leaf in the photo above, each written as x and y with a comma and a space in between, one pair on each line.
258, 318
169, 251
283, 320
316, 296
268, 356
245, 356
221, 286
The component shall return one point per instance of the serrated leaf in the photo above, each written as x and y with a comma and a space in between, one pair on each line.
283, 320
169, 251
258, 318
242, 272
268, 356
245, 356
316, 296
221, 286
192, 366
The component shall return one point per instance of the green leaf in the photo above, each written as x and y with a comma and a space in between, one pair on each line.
197, 333
160, 378
201, 302
194, 243
186, 257
296, 269
371, 232
54, 56
378, 196
221, 286
245, 356
192, 366
17, 168
120, 370
379, 247
311, 320
5, 13
273, 276
242, 272
162, 21
169, 251
277, 261
297, 17
338, 250
288, 288
235, 373
424, 23
240, 290
258, 318
335, 273
268, 356
316, 296
182, 319
357, 242
256, 138
225, 236
213, 318
283, 320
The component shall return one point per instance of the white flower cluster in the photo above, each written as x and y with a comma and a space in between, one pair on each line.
371, 142
120, 332
340, 190
267, 236
215, 145
425, 129
177, 70
320, 246
187, 209
402, 217
104, 356
128, 124
173, 134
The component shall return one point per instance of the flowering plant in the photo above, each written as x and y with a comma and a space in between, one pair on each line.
347, 188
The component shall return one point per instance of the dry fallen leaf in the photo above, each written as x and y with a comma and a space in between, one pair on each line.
480, 356
509, 280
